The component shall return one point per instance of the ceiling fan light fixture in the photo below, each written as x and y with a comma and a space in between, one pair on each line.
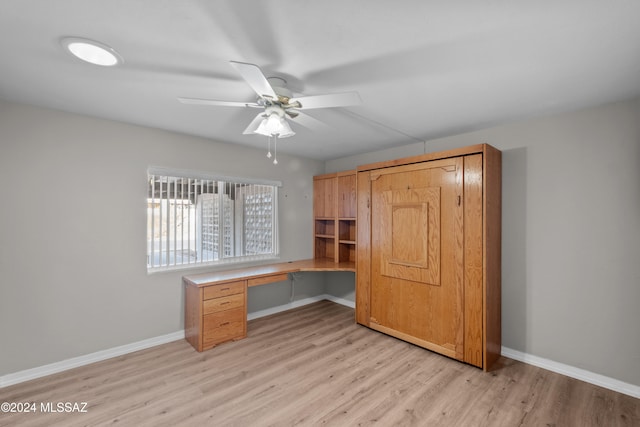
274, 125
91, 51
285, 130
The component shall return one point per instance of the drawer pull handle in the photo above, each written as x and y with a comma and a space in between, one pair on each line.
224, 324
226, 302
225, 289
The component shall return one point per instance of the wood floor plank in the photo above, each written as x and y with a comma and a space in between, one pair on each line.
314, 366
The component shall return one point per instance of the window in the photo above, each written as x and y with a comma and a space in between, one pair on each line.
195, 219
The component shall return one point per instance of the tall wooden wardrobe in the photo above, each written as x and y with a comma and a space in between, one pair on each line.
428, 253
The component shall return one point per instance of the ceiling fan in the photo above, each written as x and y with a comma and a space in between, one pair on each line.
278, 103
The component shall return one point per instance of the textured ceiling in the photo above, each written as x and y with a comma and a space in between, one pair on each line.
423, 69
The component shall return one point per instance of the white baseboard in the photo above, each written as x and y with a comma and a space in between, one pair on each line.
74, 362
299, 303
340, 301
284, 307
573, 372
53, 368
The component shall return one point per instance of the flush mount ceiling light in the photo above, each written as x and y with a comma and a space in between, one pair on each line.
92, 51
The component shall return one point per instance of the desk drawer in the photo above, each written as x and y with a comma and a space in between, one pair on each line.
223, 303
223, 326
268, 279
224, 289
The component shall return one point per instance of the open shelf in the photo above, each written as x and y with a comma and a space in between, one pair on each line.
347, 230
335, 216
325, 248
325, 227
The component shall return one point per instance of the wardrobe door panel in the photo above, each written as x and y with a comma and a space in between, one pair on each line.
417, 255
410, 228
473, 261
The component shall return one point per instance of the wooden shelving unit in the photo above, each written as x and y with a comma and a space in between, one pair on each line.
334, 211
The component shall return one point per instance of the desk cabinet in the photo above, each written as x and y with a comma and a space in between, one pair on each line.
216, 302
215, 313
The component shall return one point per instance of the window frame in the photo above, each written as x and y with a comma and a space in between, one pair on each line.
238, 222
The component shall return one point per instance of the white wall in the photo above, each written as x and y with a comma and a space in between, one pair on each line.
571, 234
72, 252
73, 231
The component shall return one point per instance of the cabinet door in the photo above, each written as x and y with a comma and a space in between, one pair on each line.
347, 195
417, 270
324, 197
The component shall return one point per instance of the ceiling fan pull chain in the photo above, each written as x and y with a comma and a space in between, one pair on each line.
275, 149
269, 148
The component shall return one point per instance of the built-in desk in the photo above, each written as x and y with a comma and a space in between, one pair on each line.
216, 302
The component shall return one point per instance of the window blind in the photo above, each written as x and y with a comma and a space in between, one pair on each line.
207, 219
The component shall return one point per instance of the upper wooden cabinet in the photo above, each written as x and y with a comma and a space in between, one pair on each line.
346, 195
334, 210
325, 196
428, 251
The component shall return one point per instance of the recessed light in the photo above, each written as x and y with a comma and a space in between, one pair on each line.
91, 51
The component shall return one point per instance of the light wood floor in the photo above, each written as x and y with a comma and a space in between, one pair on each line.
315, 366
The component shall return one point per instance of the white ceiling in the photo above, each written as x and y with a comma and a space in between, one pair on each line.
423, 69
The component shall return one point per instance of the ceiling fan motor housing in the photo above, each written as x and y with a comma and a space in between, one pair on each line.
274, 109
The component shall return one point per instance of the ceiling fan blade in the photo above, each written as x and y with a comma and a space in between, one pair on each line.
309, 122
255, 78
254, 124
198, 101
329, 100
